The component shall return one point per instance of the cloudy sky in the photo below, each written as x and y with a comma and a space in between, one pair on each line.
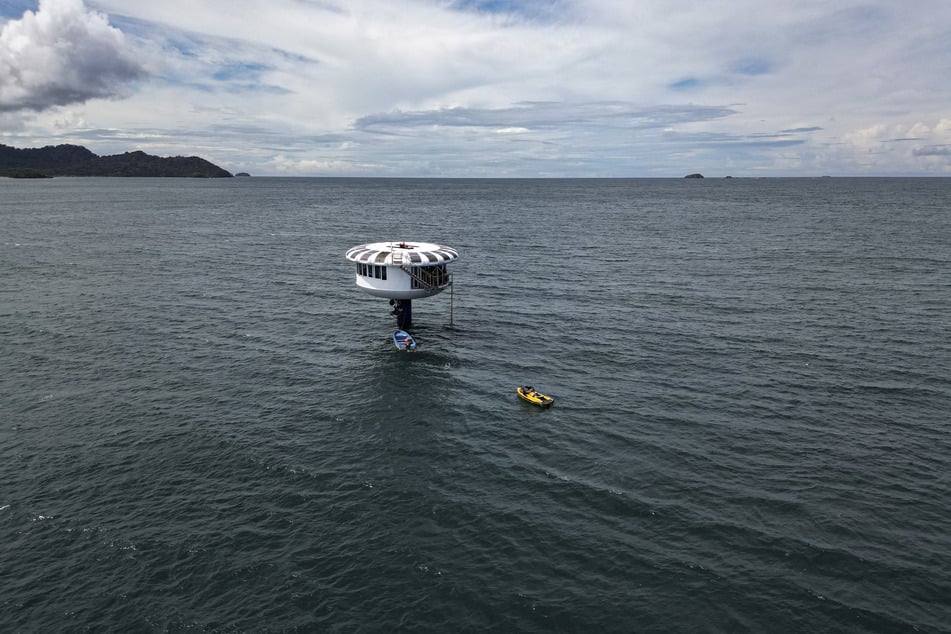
488, 88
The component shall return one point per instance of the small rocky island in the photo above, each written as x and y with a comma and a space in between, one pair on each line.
694, 176
75, 160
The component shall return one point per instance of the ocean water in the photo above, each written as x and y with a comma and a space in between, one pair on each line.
204, 426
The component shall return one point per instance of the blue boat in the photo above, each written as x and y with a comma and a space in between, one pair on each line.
403, 340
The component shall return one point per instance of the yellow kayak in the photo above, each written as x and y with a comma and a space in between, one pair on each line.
530, 394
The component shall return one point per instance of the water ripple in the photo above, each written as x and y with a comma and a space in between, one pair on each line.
206, 428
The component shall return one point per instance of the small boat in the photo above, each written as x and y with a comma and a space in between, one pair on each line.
530, 394
403, 340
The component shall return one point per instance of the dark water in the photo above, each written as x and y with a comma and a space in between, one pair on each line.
204, 426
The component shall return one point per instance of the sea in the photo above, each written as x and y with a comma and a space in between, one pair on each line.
205, 426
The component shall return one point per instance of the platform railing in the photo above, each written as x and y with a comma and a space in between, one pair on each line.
414, 273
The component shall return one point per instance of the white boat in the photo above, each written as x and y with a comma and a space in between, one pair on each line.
403, 340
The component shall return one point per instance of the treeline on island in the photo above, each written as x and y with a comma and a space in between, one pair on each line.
75, 160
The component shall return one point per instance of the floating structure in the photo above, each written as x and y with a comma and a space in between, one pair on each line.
402, 272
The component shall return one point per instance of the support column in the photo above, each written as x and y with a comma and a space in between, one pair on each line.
404, 316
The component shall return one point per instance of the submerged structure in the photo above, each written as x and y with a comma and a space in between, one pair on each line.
402, 272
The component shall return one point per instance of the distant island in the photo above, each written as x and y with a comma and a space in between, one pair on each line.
75, 160
26, 172
694, 176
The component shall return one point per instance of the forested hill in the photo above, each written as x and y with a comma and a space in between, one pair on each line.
75, 160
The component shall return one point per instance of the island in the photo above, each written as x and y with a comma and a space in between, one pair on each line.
694, 176
26, 172
76, 160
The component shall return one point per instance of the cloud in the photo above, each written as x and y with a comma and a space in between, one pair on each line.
933, 150
487, 87
62, 54
547, 115
813, 128
752, 66
685, 84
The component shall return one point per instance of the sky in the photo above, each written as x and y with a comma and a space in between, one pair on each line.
488, 88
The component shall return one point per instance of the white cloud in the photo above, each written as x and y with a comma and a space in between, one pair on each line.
573, 88
61, 54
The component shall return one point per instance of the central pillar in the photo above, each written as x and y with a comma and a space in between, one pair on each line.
404, 314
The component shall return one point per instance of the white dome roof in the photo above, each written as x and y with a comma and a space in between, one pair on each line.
413, 253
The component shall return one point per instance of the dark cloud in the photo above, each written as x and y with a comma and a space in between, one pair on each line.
545, 115
814, 128
61, 54
932, 150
